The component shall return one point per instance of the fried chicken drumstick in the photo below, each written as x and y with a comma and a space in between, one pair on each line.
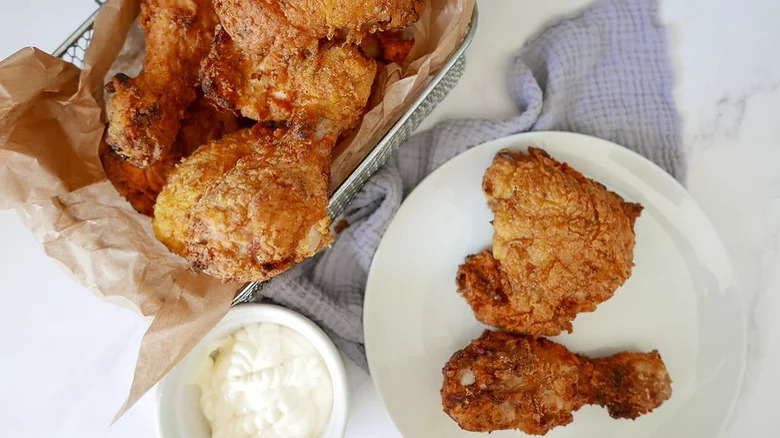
510, 381
144, 113
562, 244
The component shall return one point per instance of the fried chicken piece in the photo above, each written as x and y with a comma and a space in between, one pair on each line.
333, 82
263, 26
193, 176
510, 381
267, 213
140, 186
145, 112
562, 245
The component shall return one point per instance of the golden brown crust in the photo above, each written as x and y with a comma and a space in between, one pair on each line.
262, 26
334, 82
519, 382
630, 384
562, 243
353, 17
486, 288
144, 113
267, 213
140, 186
189, 181
511, 381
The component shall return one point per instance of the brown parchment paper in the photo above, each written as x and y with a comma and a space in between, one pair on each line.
51, 125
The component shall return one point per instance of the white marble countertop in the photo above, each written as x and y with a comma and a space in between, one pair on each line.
68, 356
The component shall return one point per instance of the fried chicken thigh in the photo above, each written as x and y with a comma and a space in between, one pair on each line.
511, 381
333, 82
562, 244
145, 112
141, 185
260, 26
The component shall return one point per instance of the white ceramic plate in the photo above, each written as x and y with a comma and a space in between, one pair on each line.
179, 413
681, 299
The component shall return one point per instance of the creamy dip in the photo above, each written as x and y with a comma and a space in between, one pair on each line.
265, 380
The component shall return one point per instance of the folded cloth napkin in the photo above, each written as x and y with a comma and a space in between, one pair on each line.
605, 72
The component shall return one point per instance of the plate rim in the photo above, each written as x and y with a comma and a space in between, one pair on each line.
668, 179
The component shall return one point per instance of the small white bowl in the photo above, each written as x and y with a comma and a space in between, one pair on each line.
178, 398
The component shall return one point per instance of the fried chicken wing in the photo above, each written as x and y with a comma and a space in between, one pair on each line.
333, 82
562, 244
267, 213
260, 26
145, 112
141, 185
511, 381
187, 184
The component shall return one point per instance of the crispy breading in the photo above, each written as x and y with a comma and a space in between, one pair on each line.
355, 17
201, 124
333, 82
504, 381
511, 381
144, 113
262, 26
486, 288
268, 212
189, 181
562, 245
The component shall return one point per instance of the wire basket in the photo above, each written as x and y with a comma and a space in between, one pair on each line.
74, 48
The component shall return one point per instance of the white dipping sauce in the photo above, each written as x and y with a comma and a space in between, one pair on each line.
265, 380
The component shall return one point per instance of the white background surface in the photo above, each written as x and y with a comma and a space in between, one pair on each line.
67, 357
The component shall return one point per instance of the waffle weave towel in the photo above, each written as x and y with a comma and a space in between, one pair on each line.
605, 72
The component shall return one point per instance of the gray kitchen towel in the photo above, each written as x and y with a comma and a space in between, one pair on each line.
605, 72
